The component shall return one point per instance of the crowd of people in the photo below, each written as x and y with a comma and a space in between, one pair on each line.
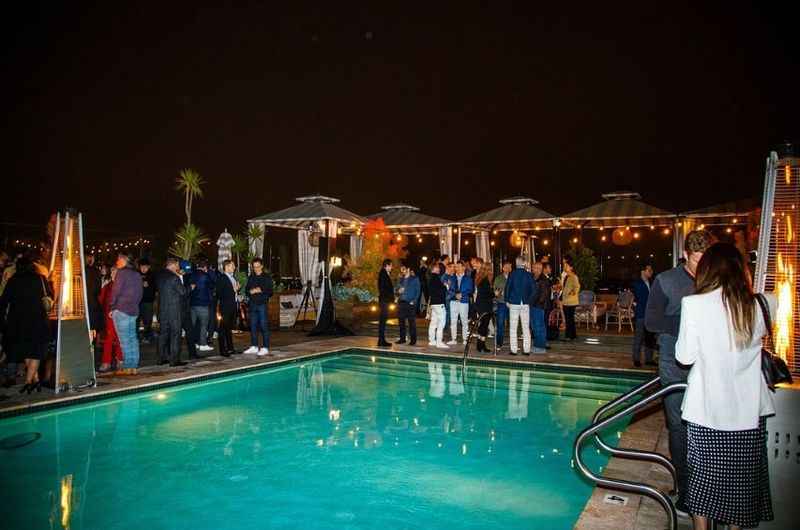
702, 317
124, 299
452, 294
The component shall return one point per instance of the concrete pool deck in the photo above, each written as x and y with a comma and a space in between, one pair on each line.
600, 351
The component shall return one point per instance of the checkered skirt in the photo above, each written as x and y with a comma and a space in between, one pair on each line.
729, 475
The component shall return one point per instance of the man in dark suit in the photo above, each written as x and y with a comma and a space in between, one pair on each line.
226, 289
385, 297
171, 300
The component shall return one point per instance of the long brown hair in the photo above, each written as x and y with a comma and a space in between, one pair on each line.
723, 267
485, 271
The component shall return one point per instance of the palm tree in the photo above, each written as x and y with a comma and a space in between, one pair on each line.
254, 233
239, 247
189, 238
191, 184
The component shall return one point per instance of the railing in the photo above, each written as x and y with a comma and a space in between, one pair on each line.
473, 325
599, 424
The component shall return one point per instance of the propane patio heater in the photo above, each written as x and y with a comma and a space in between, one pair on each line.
778, 250
74, 351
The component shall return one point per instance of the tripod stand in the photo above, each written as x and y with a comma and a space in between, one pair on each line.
308, 299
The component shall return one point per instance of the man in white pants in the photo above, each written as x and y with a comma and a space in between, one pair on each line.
459, 306
437, 293
519, 289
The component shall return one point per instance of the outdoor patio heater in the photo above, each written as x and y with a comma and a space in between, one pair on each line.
74, 352
779, 252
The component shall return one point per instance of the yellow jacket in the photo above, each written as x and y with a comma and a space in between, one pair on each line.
572, 286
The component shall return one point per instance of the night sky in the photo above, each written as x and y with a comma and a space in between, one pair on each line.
445, 107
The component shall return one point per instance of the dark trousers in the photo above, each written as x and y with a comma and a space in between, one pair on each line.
225, 333
640, 338
384, 316
670, 372
407, 312
190, 334
483, 325
146, 317
259, 324
169, 339
502, 318
569, 320
212, 323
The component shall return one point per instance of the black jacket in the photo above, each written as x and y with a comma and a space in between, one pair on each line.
264, 281
437, 290
148, 287
26, 323
93, 285
171, 296
485, 296
225, 295
385, 288
542, 299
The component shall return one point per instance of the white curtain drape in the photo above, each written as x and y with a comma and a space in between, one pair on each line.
356, 246
679, 239
308, 258
482, 246
446, 240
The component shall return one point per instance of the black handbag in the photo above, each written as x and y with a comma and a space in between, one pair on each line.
773, 367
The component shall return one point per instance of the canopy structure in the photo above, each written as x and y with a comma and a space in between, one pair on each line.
407, 219
313, 208
733, 212
515, 213
619, 209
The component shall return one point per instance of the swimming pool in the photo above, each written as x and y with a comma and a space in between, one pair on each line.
348, 441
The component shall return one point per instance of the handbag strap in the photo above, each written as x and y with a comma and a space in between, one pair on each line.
762, 302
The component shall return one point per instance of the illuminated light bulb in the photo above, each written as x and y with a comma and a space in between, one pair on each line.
636, 235
546, 242
494, 232
652, 227
603, 238
574, 239
492, 243
628, 228
735, 220
666, 231
399, 237
466, 243
373, 308
391, 307
728, 230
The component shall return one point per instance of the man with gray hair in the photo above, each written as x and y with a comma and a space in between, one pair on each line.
518, 291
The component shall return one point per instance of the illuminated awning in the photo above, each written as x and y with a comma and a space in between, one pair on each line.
409, 220
619, 209
519, 213
311, 209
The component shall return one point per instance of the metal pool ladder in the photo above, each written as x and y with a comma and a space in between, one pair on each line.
601, 420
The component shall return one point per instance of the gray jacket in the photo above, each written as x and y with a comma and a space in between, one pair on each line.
663, 313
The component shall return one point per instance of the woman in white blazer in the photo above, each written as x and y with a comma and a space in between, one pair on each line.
727, 400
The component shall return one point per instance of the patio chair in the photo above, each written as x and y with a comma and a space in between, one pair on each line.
622, 311
586, 310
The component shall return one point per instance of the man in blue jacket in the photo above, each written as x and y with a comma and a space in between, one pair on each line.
641, 292
408, 295
200, 298
461, 288
519, 290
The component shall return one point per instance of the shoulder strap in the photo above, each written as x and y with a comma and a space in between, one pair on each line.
762, 302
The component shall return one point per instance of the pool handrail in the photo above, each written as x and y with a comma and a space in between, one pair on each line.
635, 454
619, 484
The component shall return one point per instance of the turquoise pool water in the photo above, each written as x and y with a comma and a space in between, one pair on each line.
347, 442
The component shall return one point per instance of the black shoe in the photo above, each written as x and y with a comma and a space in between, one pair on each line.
179, 363
26, 388
401, 341
637, 364
163, 362
412, 343
384, 344
226, 354
234, 352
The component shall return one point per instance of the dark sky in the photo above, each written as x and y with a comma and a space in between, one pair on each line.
446, 107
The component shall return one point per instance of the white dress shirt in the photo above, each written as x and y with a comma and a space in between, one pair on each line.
726, 389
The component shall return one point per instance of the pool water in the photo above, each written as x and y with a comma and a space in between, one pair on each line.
347, 442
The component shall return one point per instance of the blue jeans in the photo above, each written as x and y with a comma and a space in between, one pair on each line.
502, 318
126, 331
538, 327
259, 322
